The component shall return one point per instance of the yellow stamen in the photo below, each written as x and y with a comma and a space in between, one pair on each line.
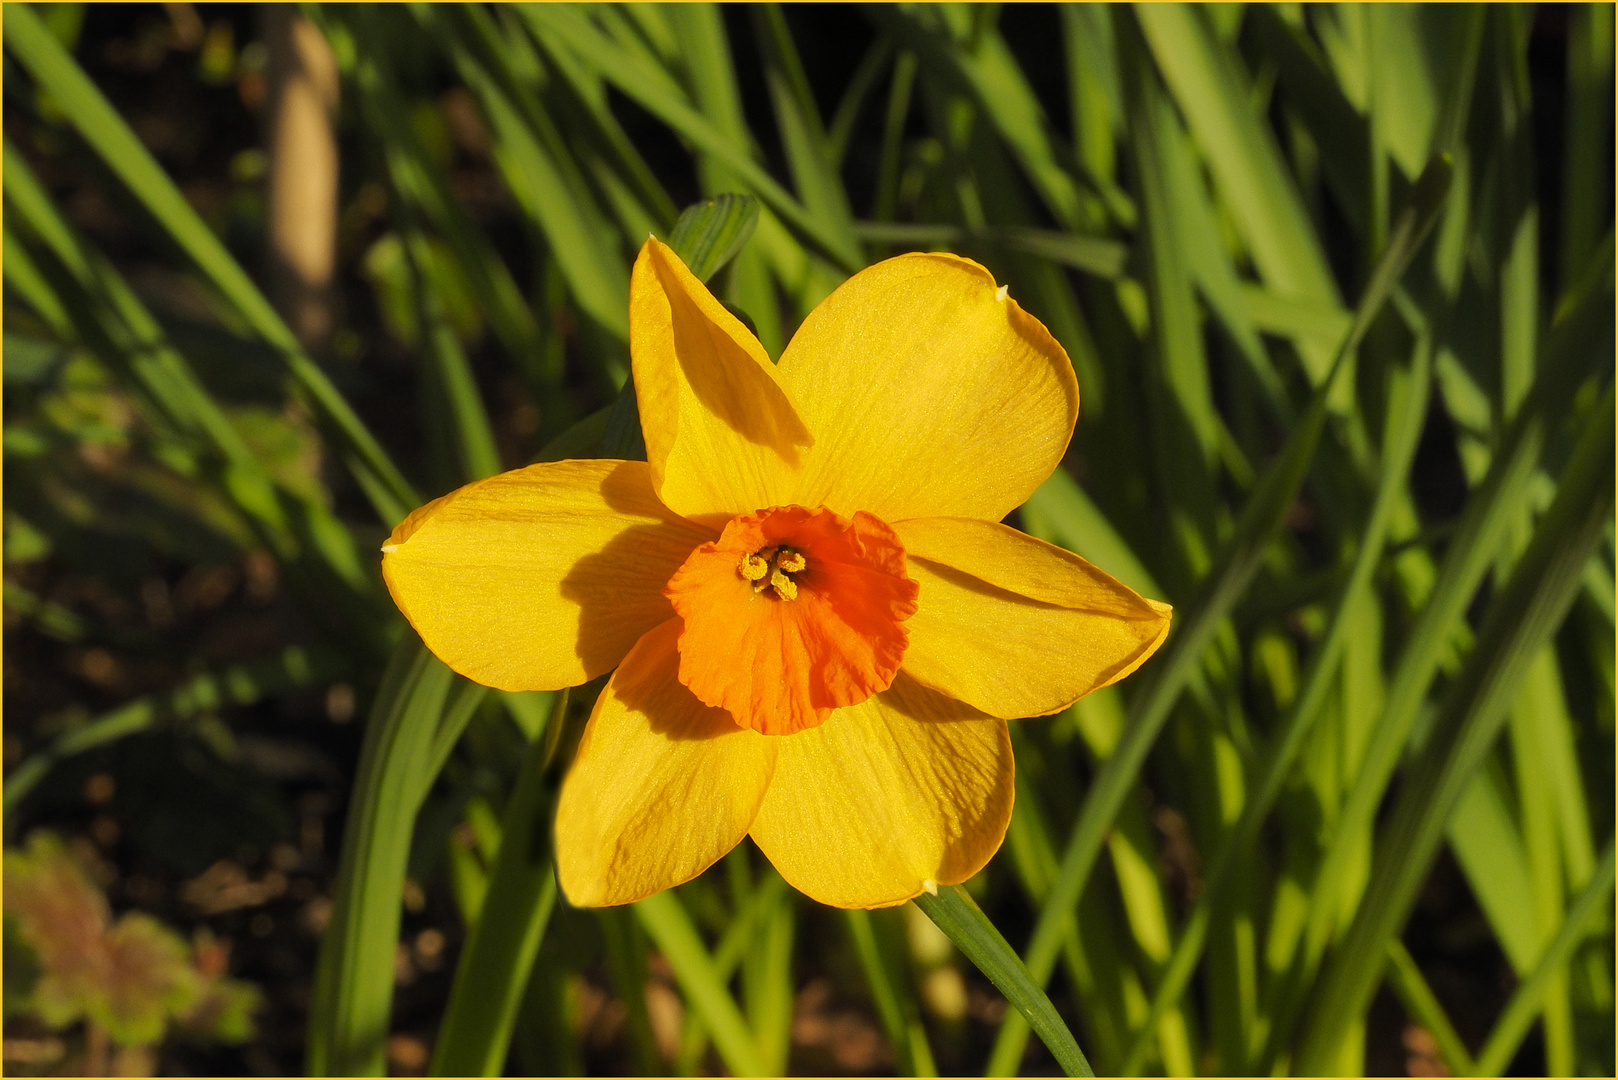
791, 561
785, 587
754, 568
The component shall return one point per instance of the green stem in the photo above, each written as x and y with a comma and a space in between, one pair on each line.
1525, 1003
499, 954
353, 992
966, 925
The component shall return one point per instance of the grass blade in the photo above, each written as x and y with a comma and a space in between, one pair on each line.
665, 919
94, 117
235, 684
1407, 410
1173, 667
1514, 1021
1243, 157
710, 234
971, 931
808, 150
1522, 618
353, 991
1576, 344
1407, 982
1588, 162
498, 957
991, 75
1488, 845
728, 955
894, 1005
538, 169
563, 26
462, 707
452, 380
138, 341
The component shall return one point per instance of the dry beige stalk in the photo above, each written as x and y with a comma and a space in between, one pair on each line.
302, 182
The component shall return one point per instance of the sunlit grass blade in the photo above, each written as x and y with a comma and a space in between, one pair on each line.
665, 919
498, 957
353, 990
964, 922
94, 117
1407, 411
1423, 1006
1287, 316
587, 112
803, 136
1575, 345
1196, 622
1340, 132
1592, 902
1096, 101
462, 706
1195, 229
23, 274
628, 959
1523, 616
728, 954
767, 982
1486, 841
894, 1005
1586, 171
299, 528
877, 60
1092, 254
454, 388
424, 192
1538, 728
652, 91
1241, 153
1179, 400
996, 82
538, 170
884, 203
138, 340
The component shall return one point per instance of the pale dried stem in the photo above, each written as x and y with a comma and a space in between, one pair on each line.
301, 193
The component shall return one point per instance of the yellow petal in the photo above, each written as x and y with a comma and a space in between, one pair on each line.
542, 577
929, 392
908, 788
1016, 626
721, 434
662, 786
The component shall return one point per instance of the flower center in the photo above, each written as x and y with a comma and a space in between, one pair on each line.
772, 568
792, 613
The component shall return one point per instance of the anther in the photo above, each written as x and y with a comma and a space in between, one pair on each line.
754, 568
785, 587
791, 561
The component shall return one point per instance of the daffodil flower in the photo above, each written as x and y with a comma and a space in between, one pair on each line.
820, 626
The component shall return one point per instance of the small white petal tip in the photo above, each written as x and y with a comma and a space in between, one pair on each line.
388, 549
1000, 293
929, 886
